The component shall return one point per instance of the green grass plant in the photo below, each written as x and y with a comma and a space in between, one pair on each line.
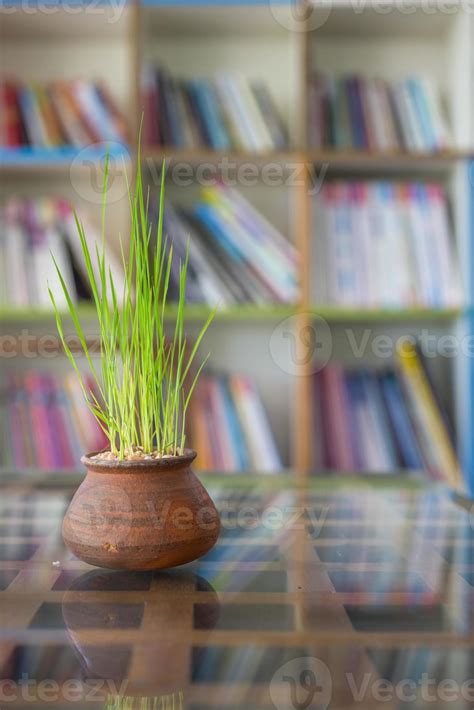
143, 386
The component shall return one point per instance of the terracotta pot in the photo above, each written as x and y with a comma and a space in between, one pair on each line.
140, 515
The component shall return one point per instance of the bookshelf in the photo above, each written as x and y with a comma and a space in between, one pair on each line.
273, 43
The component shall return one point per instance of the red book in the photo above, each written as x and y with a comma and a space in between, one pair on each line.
15, 417
336, 415
40, 425
367, 116
11, 128
151, 128
64, 455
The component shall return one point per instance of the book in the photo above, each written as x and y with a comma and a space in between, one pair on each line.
222, 112
402, 429
43, 426
373, 114
11, 125
430, 423
31, 233
385, 245
228, 426
58, 113
235, 254
380, 420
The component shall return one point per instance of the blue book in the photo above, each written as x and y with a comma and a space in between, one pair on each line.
468, 459
467, 363
379, 419
356, 398
356, 113
209, 109
240, 448
31, 116
435, 291
175, 124
400, 421
422, 112
210, 219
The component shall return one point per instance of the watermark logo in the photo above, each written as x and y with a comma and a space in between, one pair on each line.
301, 343
301, 684
300, 16
87, 172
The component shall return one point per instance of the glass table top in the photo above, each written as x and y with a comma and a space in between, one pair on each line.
354, 596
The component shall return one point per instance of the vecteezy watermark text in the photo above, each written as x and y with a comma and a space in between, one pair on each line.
47, 346
70, 690
111, 10
88, 169
307, 682
306, 340
295, 342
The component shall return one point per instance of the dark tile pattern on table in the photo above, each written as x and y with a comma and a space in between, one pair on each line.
6, 578
62, 662
249, 664
252, 617
17, 551
264, 582
378, 582
24, 529
344, 532
385, 618
434, 663
457, 554
333, 511
468, 576
88, 615
104, 581
453, 531
356, 553
296, 586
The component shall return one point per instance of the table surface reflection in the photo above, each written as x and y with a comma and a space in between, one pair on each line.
317, 595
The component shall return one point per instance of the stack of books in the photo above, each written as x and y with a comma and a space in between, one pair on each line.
229, 428
383, 420
31, 233
45, 422
222, 113
372, 114
57, 114
384, 245
235, 254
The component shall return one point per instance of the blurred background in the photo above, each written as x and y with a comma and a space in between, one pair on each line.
318, 159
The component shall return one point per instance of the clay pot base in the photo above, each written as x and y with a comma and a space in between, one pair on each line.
140, 515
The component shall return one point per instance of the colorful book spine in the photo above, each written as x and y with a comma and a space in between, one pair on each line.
59, 113
223, 112
229, 427
46, 428
388, 419
417, 386
371, 114
385, 245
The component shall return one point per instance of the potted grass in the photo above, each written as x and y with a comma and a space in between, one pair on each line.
140, 506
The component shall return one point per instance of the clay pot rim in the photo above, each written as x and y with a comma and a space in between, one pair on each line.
155, 465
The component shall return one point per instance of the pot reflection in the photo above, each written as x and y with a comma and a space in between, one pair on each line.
132, 630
